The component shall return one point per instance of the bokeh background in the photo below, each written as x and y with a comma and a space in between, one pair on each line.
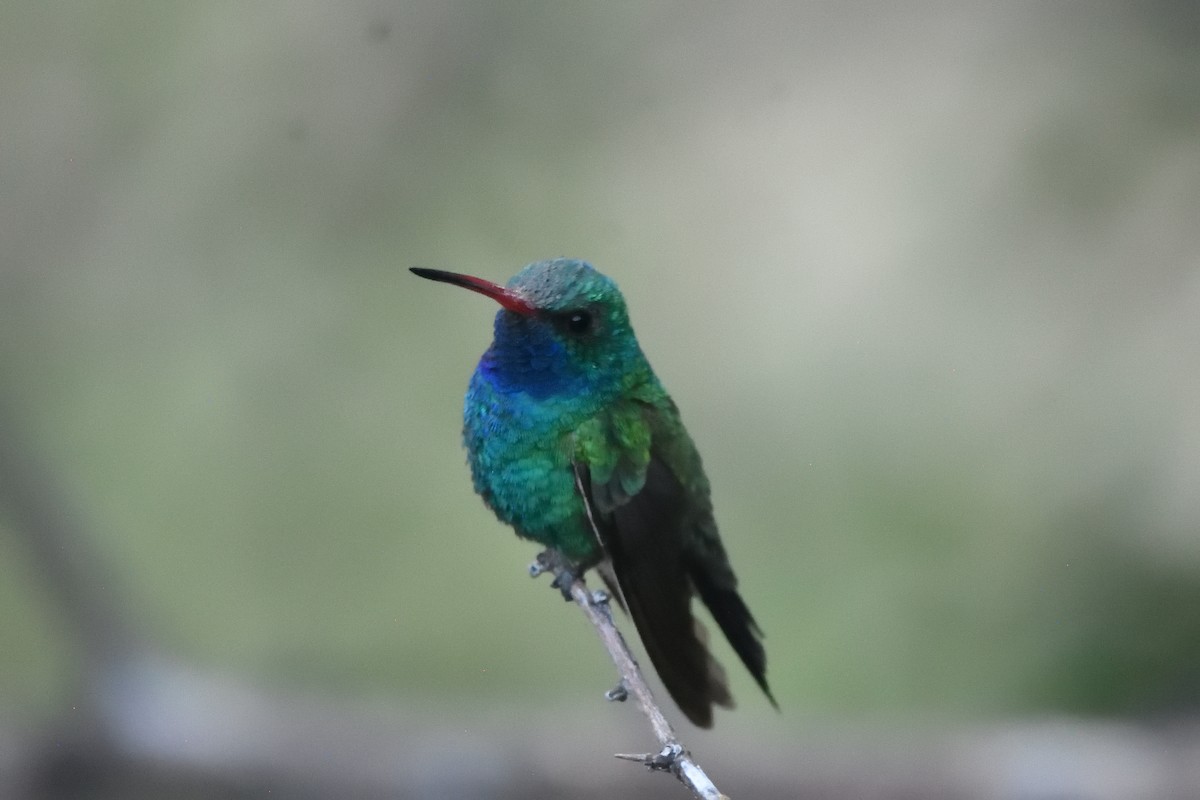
924, 279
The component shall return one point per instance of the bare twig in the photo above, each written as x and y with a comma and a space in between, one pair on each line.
673, 757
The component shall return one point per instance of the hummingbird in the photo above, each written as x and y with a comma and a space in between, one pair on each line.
574, 442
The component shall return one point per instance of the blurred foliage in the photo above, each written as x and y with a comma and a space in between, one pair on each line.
923, 280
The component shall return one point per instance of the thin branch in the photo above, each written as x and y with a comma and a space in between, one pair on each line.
673, 757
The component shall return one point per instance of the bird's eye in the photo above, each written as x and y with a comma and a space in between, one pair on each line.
579, 322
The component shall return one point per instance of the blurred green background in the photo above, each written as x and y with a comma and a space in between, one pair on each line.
924, 280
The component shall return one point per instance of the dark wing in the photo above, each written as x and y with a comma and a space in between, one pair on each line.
662, 547
648, 569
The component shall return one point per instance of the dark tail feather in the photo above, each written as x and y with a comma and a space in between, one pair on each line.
645, 547
677, 645
736, 621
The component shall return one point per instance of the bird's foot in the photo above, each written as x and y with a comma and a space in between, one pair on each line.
565, 573
563, 580
664, 760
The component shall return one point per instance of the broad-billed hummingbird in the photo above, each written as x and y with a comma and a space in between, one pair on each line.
573, 442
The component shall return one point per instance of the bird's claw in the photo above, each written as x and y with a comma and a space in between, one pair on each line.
564, 578
543, 562
565, 574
